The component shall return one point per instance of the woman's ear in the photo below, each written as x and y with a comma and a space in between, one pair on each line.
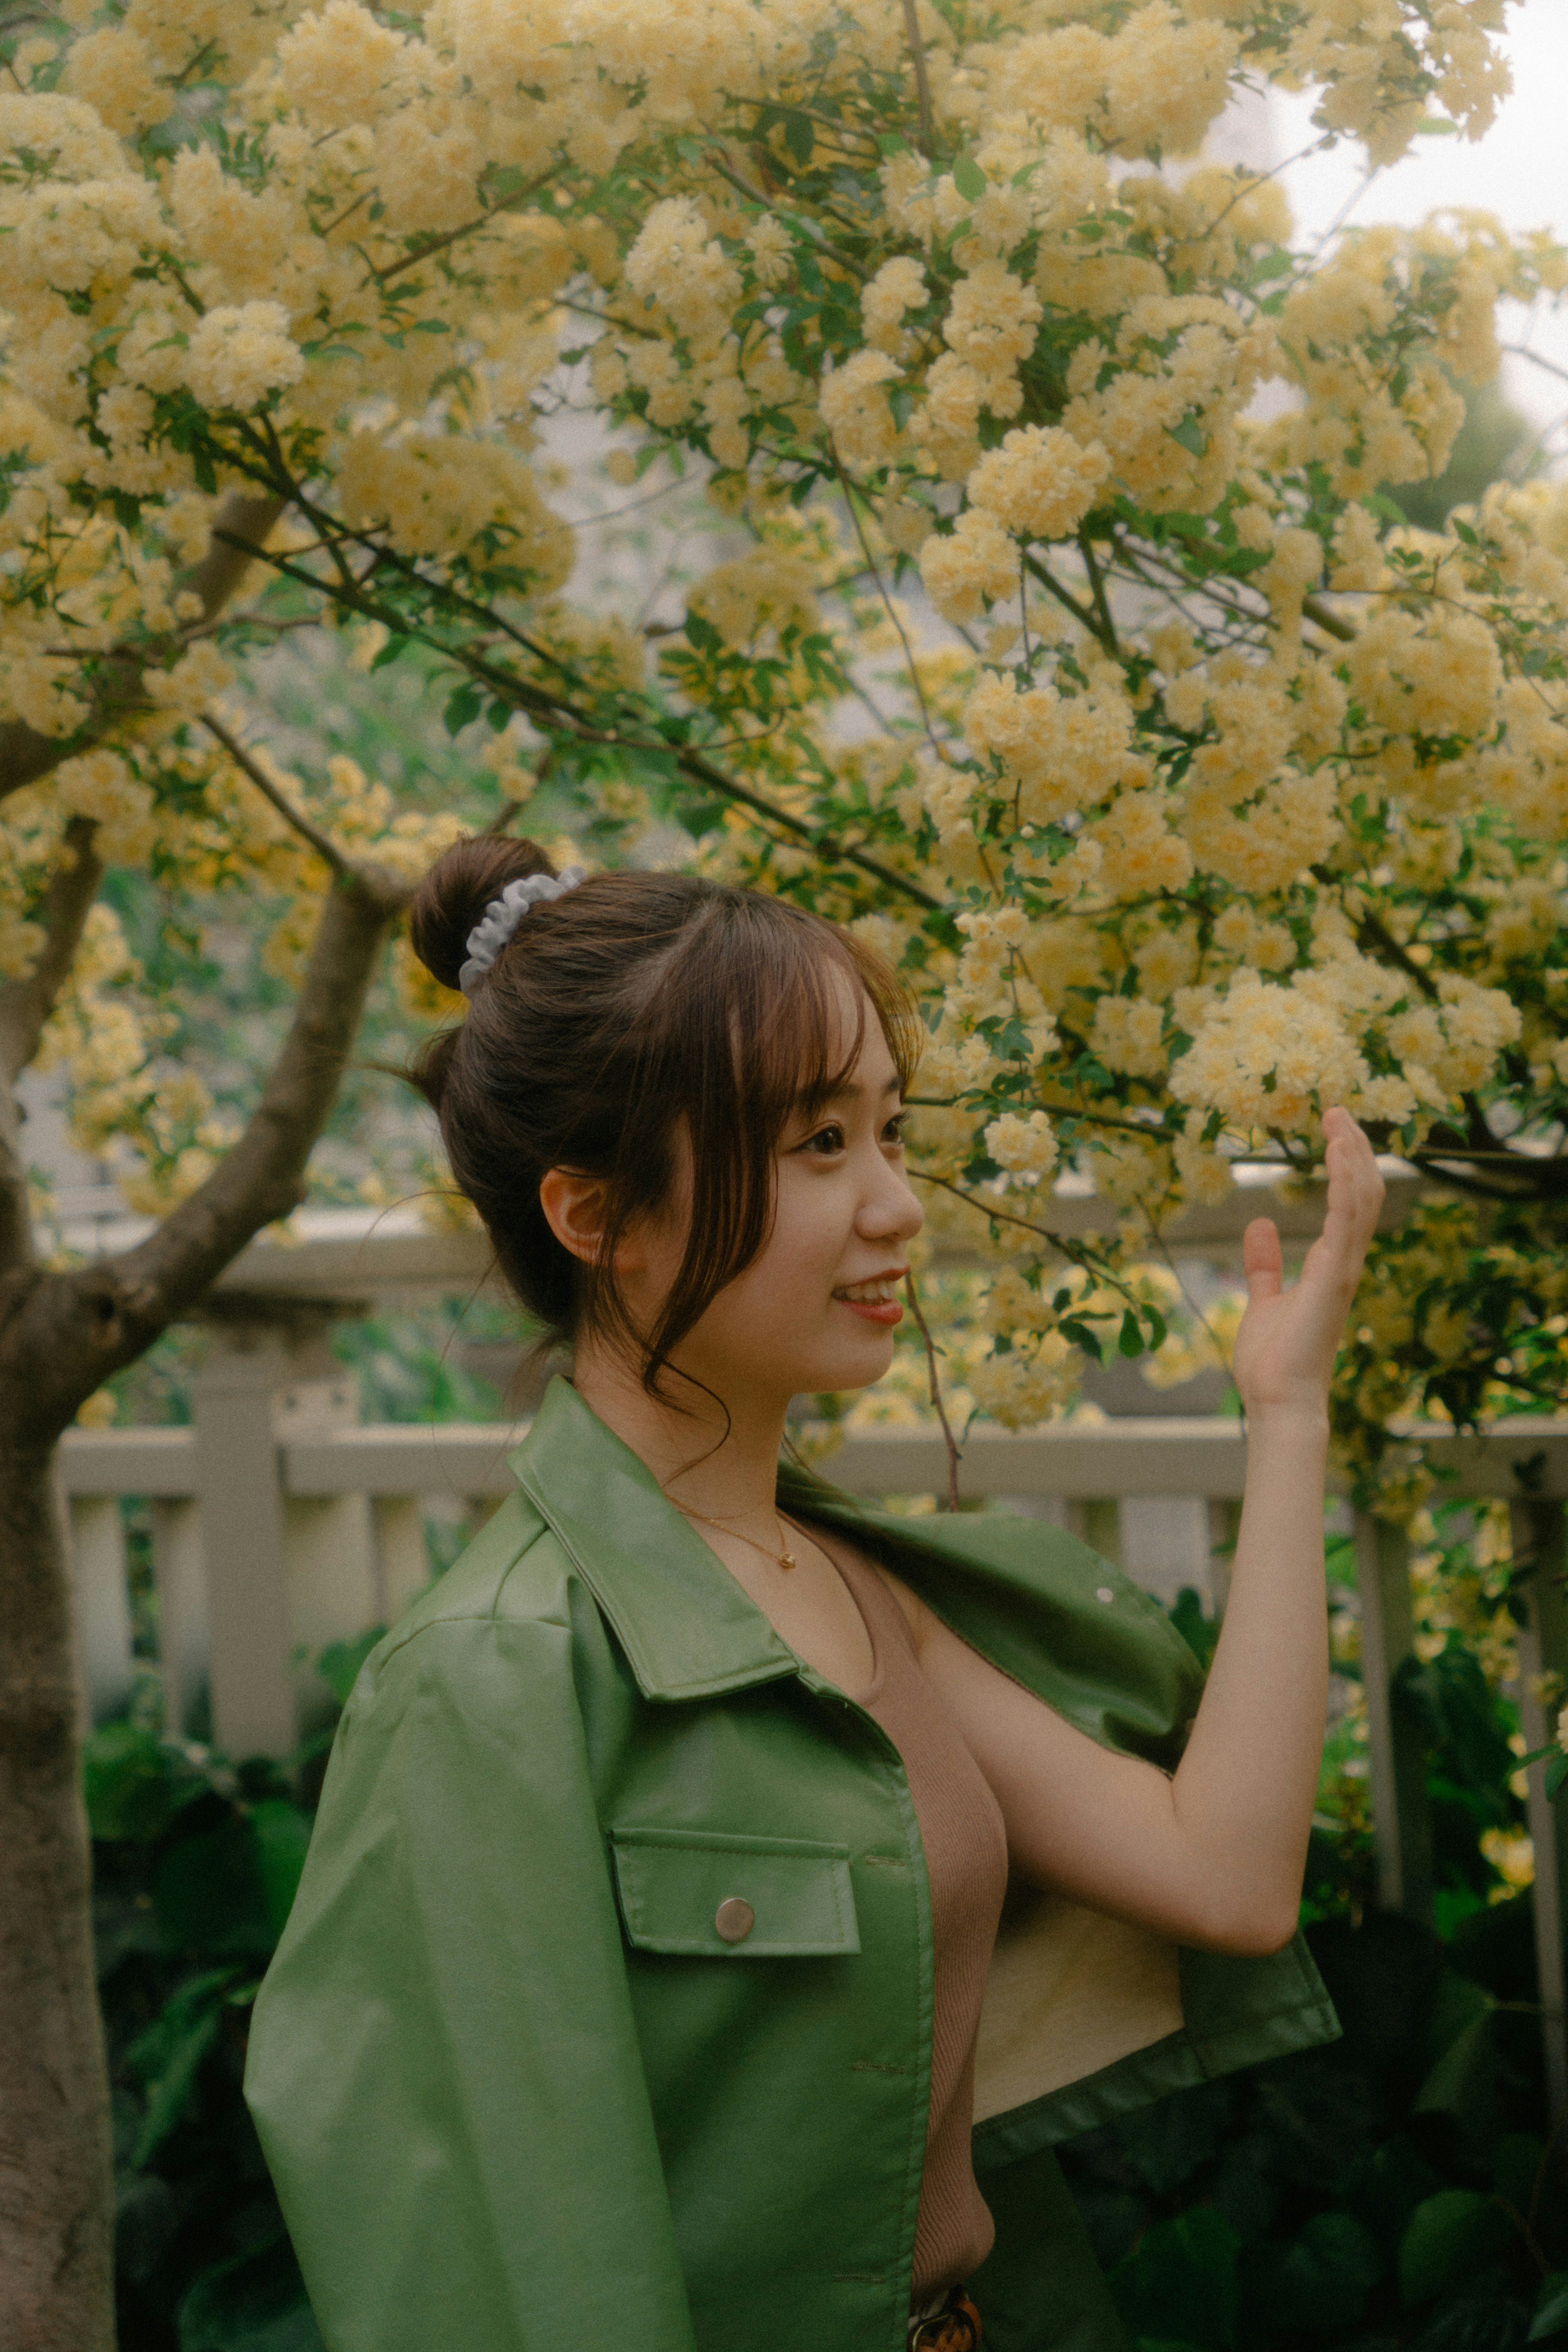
574, 1211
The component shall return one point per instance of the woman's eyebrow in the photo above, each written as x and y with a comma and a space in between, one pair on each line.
851, 1091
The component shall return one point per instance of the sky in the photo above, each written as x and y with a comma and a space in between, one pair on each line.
1518, 170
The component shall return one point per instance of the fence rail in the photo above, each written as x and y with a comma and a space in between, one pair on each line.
279, 1522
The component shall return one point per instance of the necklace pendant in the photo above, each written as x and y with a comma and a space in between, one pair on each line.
786, 1560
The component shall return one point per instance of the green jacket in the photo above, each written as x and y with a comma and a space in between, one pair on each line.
517, 2092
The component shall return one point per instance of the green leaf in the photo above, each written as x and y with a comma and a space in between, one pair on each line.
1199, 1632
1181, 2282
1319, 2281
1449, 2235
1466, 2082
1276, 264
1131, 1342
1191, 436
799, 137
135, 1782
210, 1898
1557, 1774
1516, 2167
168, 2057
1550, 2316
389, 653
967, 178
282, 1833
463, 704
338, 1663
1079, 1335
255, 2302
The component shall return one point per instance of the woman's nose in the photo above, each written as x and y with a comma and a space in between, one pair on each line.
891, 1211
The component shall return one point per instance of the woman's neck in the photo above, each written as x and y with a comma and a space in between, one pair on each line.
685, 1445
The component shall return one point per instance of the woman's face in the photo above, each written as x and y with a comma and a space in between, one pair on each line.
818, 1307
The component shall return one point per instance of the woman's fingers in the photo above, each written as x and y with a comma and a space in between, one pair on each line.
1262, 1260
1353, 1168
1356, 1187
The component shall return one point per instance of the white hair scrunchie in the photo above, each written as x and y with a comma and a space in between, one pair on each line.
500, 918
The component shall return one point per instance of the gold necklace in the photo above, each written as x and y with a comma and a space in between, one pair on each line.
784, 1559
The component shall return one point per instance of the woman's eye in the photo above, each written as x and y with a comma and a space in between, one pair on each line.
893, 1131
826, 1140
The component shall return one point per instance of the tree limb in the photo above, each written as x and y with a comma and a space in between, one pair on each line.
392, 269
73, 1329
1107, 630
25, 1006
25, 754
307, 830
552, 713
922, 80
1081, 613
1329, 623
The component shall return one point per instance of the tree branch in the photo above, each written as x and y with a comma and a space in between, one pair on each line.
27, 1004
922, 80
25, 754
1329, 623
307, 830
1107, 630
73, 1329
384, 276
1081, 613
552, 712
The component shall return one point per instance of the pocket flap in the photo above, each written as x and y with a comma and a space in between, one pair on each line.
736, 1899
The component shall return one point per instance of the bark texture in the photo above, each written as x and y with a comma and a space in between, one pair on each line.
56, 2204
61, 1334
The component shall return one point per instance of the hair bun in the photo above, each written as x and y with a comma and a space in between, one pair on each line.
452, 898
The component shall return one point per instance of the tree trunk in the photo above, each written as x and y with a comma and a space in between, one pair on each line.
61, 1334
56, 2203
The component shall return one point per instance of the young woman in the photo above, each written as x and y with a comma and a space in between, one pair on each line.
724, 1892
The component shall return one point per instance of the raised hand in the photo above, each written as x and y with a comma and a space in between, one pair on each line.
1285, 1347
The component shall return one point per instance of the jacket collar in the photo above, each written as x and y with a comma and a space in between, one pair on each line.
686, 1627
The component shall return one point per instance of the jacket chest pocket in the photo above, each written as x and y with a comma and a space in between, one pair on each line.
706, 1893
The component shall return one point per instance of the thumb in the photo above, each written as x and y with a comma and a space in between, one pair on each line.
1262, 1260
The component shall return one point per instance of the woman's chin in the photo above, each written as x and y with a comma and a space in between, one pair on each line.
859, 1366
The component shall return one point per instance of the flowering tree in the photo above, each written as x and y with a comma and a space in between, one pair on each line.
1192, 788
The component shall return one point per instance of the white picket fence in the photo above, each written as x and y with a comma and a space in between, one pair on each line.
279, 1522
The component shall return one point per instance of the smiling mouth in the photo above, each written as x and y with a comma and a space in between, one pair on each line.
876, 1300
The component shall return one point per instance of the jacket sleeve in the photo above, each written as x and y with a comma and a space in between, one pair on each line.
444, 2068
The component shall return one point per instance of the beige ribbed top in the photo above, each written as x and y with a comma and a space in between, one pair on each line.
966, 1861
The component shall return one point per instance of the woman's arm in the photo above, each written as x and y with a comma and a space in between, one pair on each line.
1212, 1856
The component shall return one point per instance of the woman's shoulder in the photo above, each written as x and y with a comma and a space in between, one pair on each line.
514, 1574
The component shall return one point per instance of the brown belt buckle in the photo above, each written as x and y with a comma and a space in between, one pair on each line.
955, 2329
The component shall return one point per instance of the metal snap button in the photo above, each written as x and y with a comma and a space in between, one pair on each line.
734, 1919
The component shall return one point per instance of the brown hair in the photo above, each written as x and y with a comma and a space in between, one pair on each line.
634, 1003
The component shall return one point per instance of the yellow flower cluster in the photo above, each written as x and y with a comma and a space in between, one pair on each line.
1024, 1147
1055, 752
1174, 772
